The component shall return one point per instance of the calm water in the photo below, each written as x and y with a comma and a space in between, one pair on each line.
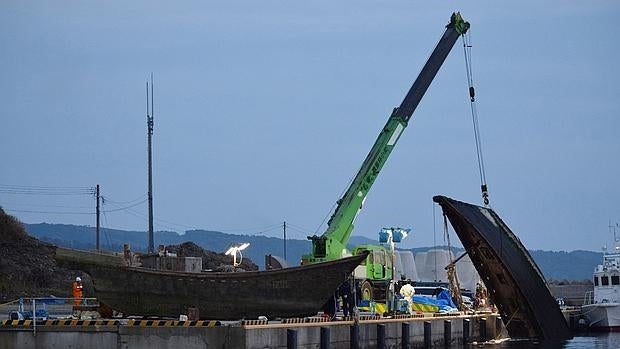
590, 340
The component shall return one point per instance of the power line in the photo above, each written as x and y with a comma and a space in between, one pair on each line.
298, 227
126, 207
105, 231
263, 229
141, 197
16, 186
48, 212
298, 231
52, 206
41, 190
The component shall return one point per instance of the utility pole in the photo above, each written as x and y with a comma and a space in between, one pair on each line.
98, 211
149, 125
284, 240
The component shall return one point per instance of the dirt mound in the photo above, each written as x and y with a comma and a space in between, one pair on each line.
27, 265
210, 260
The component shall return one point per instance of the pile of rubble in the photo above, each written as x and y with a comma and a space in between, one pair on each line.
27, 265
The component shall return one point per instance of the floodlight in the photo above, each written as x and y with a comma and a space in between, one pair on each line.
384, 235
233, 250
399, 234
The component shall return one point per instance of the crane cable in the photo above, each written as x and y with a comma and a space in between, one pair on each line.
453, 279
474, 117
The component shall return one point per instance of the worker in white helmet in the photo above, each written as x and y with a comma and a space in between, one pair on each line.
77, 290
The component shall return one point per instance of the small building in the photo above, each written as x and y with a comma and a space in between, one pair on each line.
166, 260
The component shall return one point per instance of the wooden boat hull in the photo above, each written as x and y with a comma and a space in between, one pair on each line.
290, 292
516, 284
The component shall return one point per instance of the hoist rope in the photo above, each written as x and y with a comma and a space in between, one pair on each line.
474, 117
453, 280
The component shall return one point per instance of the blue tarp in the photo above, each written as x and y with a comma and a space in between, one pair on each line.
443, 301
445, 296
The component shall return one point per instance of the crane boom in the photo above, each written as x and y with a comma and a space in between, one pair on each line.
333, 242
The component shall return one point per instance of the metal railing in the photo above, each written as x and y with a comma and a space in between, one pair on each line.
43, 308
588, 298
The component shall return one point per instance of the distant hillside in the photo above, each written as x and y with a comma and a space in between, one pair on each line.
576, 265
82, 237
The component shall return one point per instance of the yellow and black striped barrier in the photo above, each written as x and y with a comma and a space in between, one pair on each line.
80, 323
409, 316
406, 316
16, 323
446, 314
63, 322
294, 320
313, 319
173, 323
369, 317
253, 322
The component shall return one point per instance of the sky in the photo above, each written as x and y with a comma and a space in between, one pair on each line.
265, 110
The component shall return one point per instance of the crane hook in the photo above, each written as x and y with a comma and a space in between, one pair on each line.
485, 194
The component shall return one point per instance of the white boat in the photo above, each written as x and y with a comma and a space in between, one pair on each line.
601, 307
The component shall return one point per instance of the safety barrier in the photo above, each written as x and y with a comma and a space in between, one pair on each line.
296, 320
370, 317
445, 314
14, 323
253, 322
314, 319
86, 323
173, 323
408, 316
78, 323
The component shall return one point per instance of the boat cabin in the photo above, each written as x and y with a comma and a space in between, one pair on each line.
607, 279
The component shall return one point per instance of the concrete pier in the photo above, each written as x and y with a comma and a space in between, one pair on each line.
253, 335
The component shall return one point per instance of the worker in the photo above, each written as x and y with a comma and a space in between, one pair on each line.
77, 290
329, 308
348, 302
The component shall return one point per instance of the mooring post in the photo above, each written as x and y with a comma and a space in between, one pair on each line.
447, 333
355, 340
291, 339
466, 331
34, 317
325, 338
405, 335
427, 334
380, 336
483, 329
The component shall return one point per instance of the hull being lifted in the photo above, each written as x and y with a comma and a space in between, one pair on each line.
290, 292
515, 283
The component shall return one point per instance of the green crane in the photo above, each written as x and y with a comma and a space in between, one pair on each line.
332, 244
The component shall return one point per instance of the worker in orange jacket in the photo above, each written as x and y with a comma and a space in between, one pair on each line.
77, 290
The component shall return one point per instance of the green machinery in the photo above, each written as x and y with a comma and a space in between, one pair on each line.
332, 244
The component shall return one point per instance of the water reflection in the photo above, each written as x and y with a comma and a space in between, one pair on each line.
590, 340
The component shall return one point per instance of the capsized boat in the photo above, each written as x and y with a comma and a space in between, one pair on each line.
516, 284
289, 292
